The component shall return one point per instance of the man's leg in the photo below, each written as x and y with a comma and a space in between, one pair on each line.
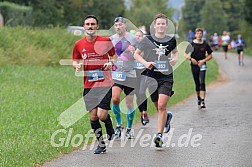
143, 101
196, 75
202, 88
162, 118
162, 114
116, 92
242, 58
130, 113
96, 126
105, 117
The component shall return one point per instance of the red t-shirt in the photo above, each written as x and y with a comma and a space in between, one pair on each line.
94, 55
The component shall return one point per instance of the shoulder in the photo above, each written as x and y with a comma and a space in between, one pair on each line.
172, 38
131, 37
80, 41
103, 38
112, 37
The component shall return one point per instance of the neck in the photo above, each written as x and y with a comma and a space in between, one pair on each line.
91, 38
121, 35
159, 35
199, 40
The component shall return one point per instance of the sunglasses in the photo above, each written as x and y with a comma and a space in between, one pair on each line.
120, 19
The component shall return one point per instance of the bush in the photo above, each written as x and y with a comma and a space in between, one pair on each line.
14, 14
25, 45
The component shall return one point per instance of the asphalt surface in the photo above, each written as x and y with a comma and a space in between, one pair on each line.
221, 135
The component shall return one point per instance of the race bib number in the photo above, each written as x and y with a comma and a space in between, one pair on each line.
161, 66
138, 65
117, 75
95, 75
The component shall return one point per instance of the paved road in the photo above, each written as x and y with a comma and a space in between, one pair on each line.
218, 136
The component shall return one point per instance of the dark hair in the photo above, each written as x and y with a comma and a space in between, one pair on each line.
91, 16
160, 15
199, 30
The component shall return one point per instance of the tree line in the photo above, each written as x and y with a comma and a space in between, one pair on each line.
71, 12
234, 16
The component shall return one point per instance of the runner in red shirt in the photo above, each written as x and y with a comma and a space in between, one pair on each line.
95, 54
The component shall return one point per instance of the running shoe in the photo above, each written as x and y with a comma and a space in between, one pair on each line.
144, 119
199, 103
118, 131
100, 150
203, 105
158, 140
168, 121
129, 133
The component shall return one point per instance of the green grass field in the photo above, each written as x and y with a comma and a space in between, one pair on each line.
35, 91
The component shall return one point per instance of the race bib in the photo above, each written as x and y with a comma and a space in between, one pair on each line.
161, 66
138, 65
203, 67
119, 65
119, 76
95, 75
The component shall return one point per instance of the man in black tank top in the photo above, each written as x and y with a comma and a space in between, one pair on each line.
160, 54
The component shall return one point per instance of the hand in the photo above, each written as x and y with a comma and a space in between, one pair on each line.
201, 62
77, 67
107, 66
173, 60
131, 49
149, 65
194, 61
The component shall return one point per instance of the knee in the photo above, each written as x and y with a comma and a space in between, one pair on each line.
102, 115
130, 105
93, 117
115, 99
161, 107
203, 86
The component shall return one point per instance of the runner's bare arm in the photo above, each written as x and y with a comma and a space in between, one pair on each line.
174, 57
208, 57
138, 56
77, 65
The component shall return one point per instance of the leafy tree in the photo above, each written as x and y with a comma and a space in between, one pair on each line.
142, 12
234, 12
191, 14
73, 12
48, 12
248, 11
106, 11
213, 17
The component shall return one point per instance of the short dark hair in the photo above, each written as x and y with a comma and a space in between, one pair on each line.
162, 16
199, 30
91, 16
